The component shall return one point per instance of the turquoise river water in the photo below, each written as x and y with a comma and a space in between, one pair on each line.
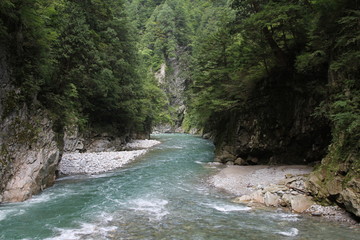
162, 195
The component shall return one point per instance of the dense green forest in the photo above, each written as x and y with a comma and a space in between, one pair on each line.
92, 63
79, 60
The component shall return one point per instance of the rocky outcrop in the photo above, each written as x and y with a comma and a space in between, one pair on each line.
29, 155
172, 77
76, 142
337, 180
29, 152
275, 126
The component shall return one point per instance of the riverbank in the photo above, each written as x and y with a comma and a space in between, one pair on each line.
98, 162
275, 186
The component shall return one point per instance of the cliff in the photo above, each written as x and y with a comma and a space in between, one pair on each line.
172, 78
29, 152
275, 126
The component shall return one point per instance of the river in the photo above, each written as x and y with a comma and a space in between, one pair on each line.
162, 195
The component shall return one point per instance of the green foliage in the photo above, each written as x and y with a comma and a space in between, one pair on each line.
79, 58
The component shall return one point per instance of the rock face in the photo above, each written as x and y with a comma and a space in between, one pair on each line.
172, 78
328, 185
276, 128
29, 155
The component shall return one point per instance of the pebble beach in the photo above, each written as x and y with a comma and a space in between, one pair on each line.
98, 162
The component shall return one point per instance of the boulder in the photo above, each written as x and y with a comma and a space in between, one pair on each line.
300, 203
271, 199
258, 197
242, 199
225, 156
350, 197
239, 161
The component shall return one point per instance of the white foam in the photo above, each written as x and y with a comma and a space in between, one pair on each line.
289, 217
291, 233
39, 198
85, 229
228, 207
5, 213
156, 208
285, 216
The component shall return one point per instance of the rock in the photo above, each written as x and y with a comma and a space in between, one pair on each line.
350, 197
32, 153
206, 135
335, 186
300, 203
239, 161
271, 199
226, 157
286, 199
275, 188
72, 141
258, 197
252, 160
316, 214
230, 163
242, 199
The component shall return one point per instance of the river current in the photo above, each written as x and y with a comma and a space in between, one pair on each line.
162, 195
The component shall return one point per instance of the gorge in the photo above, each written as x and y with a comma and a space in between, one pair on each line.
268, 82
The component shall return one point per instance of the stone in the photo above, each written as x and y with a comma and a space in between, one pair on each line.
350, 197
239, 161
300, 203
275, 188
226, 156
32, 168
207, 136
252, 160
335, 186
258, 196
271, 199
242, 199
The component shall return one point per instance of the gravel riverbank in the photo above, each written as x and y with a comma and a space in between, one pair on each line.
98, 162
275, 186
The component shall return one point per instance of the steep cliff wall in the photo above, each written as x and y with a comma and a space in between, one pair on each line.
28, 151
29, 155
276, 125
172, 77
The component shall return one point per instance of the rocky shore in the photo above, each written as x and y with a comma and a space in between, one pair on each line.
98, 162
275, 186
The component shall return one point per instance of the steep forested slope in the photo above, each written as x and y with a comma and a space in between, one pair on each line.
277, 82
66, 64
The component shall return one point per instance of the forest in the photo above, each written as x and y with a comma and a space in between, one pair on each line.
270, 68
